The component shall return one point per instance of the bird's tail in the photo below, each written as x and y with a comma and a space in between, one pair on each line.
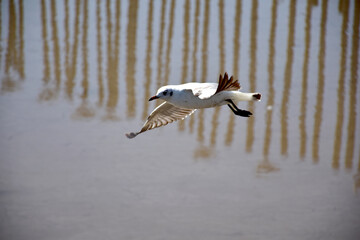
240, 96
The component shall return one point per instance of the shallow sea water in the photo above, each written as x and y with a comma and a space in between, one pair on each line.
75, 76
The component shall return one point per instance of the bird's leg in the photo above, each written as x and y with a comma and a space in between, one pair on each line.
237, 111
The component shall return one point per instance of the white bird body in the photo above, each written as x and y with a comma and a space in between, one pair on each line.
183, 99
202, 95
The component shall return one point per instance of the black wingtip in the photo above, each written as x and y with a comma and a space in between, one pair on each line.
131, 135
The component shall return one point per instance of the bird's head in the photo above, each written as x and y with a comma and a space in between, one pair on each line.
164, 93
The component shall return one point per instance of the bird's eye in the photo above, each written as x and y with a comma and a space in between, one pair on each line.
165, 92
171, 93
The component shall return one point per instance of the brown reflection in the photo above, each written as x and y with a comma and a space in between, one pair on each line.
21, 36
99, 53
169, 42
357, 175
1, 49
344, 9
185, 58
252, 72
131, 57
84, 110
113, 60
304, 84
50, 92
14, 57
236, 40
351, 127
204, 66
320, 86
161, 43
194, 58
215, 119
287, 78
71, 56
47, 93
265, 165
148, 70
204, 152
56, 48
67, 33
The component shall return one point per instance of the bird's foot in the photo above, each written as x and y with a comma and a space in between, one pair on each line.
237, 111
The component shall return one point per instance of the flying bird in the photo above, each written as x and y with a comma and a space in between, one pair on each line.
180, 101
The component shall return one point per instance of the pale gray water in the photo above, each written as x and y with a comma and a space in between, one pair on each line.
76, 75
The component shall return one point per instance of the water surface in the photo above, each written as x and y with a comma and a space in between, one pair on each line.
75, 76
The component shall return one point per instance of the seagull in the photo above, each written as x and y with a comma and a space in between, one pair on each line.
180, 101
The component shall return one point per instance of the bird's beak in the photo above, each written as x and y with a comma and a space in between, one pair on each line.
153, 98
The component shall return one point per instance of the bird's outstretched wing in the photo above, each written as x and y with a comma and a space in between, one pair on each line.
207, 90
162, 115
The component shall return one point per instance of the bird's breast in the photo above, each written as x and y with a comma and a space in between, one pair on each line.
193, 102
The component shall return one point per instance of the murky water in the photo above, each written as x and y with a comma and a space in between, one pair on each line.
76, 75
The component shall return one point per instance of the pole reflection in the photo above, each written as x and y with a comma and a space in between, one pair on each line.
72, 54
344, 10
200, 133
131, 57
305, 71
351, 126
14, 73
215, 118
194, 54
47, 93
1, 27
185, 58
93, 67
252, 73
112, 71
321, 82
169, 43
99, 54
84, 110
236, 41
148, 69
287, 78
161, 43
56, 47
266, 165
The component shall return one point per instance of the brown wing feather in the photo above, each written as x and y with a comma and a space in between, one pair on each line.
226, 84
162, 115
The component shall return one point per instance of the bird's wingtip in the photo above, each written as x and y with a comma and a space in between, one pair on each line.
131, 135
